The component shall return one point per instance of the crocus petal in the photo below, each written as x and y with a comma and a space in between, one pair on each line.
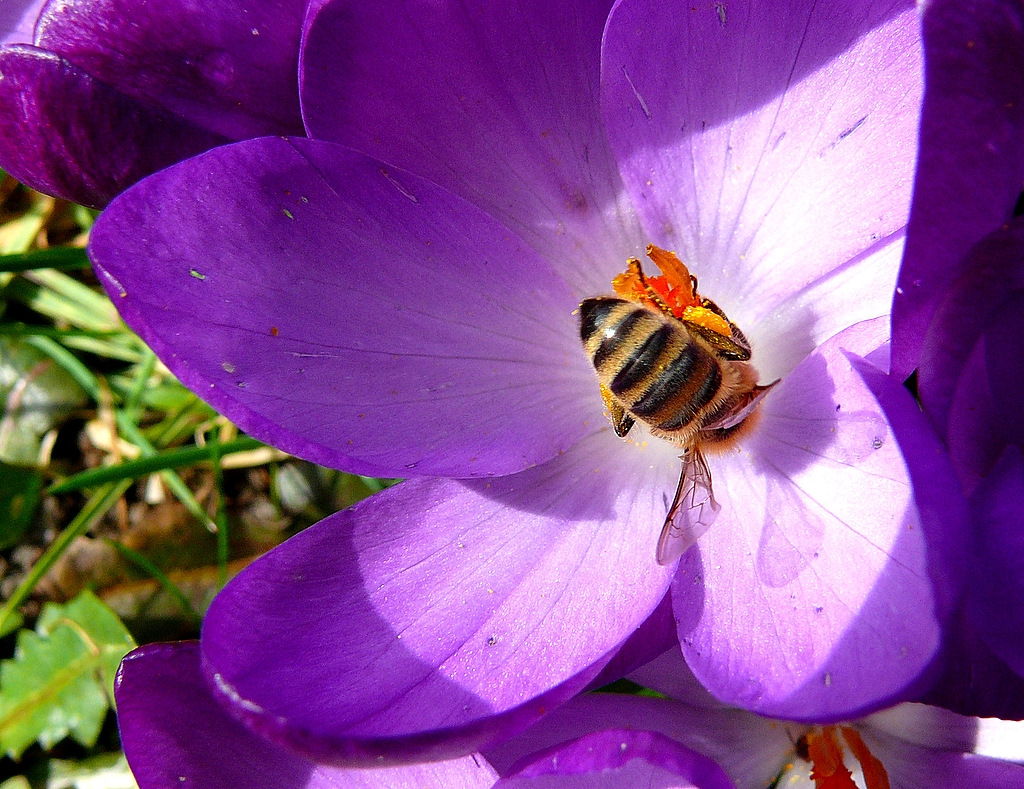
439, 615
812, 597
619, 759
968, 677
66, 133
498, 102
175, 734
656, 635
350, 313
750, 749
18, 20
914, 767
971, 164
988, 275
767, 144
996, 592
230, 66
985, 414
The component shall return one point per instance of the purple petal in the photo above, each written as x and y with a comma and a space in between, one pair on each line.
18, 20
996, 593
985, 415
66, 133
619, 760
767, 144
175, 734
916, 767
350, 313
989, 275
819, 591
752, 750
230, 67
440, 615
967, 676
498, 102
972, 154
654, 636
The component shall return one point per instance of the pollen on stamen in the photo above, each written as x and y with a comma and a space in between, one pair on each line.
673, 291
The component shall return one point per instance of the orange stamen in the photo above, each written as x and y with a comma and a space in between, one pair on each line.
875, 776
826, 754
673, 292
675, 271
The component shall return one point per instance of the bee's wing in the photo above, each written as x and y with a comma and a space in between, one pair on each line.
693, 509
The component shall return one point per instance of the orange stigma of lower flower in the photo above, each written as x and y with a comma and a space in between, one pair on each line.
828, 768
673, 292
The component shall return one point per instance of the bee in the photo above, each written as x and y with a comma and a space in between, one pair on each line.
673, 361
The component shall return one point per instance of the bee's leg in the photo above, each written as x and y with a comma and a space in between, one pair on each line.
621, 421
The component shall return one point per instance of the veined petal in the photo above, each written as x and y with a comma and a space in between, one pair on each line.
820, 590
619, 759
350, 313
971, 164
174, 733
67, 133
498, 102
439, 616
230, 67
766, 144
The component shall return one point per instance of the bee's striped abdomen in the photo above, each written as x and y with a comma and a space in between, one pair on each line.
655, 368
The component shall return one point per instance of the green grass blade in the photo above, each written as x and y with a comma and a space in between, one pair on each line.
60, 258
94, 509
156, 573
160, 461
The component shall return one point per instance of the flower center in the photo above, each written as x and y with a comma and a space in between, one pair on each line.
669, 358
821, 747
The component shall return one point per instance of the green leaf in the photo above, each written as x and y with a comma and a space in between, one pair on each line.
20, 493
61, 679
37, 396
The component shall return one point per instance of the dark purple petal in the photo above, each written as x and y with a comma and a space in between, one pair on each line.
971, 164
989, 275
767, 144
996, 594
350, 313
18, 20
752, 750
498, 102
985, 415
619, 760
820, 589
967, 676
439, 616
230, 67
66, 133
174, 734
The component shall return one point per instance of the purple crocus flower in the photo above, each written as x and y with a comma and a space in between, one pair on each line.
396, 297
175, 733
96, 94
957, 314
